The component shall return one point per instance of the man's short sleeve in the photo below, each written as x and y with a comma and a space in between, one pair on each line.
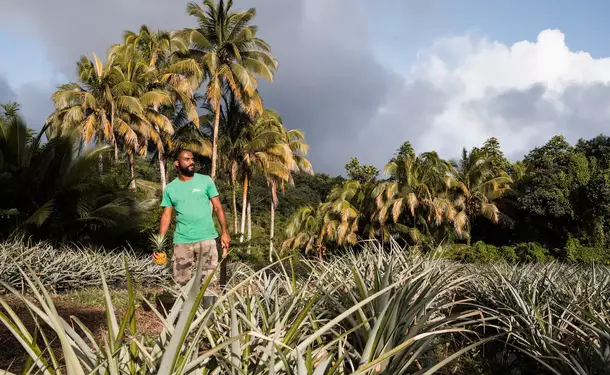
166, 201
211, 189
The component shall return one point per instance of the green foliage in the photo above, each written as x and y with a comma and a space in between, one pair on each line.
360, 173
371, 309
481, 252
332, 320
531, 252
50, 191
576, 252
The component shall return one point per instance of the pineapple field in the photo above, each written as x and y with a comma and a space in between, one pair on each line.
375, 309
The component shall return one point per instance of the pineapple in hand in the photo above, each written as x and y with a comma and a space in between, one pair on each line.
158, 242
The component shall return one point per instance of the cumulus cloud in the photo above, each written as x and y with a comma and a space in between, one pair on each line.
523, 94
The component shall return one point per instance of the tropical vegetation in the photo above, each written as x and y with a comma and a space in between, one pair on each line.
477, 264
373, 309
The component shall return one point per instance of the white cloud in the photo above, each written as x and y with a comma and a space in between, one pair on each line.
467, 89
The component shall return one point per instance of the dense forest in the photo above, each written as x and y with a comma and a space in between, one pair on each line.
96, 169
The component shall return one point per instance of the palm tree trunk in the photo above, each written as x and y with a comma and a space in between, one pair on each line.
215, 142
234, 184
243, 210
162, 169
116, 142
272, 230
235, 209
249, 225
132, 171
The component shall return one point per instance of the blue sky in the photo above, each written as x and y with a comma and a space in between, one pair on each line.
349, 74
401, 30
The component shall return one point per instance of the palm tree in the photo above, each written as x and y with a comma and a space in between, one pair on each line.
164, 80
49, 192
304, 230
418, 185
262, 150
477, 186
233, 136
347, 214
226, 46
96, 104
296, 162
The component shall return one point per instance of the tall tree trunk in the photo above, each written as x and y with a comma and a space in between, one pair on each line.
116, 142
235, 224
132, 171
162, 169
249, 225
234, 183
100, 164
272, 230
243, 210
215, 142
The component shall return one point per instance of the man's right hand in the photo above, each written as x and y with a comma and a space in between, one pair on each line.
159, 258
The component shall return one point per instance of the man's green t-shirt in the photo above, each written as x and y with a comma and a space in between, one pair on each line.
191, 201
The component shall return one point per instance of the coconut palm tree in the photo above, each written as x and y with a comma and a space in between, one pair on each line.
348, 214
297, 162
95, 104
262, 149
165, 80
304, 230
477, 186
417, 185
226, 46
233, 133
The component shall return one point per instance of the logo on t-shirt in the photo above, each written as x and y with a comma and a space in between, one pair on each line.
195, 190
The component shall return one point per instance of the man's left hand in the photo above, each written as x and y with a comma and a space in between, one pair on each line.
225, 241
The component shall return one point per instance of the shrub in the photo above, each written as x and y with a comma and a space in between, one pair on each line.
61, 195
480, 252
508, 254
576, 252
531, 252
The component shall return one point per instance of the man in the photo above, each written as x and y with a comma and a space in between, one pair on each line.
195, 236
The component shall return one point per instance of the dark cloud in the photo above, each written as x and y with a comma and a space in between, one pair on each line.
580, 111
71, 28
520, 107
586, 111
408, 111
329, 84
6, 92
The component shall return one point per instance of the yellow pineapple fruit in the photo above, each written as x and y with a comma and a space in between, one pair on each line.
158, 242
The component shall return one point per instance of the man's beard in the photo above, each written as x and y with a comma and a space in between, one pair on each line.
187, 171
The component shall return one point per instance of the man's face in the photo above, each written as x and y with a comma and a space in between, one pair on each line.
186, 163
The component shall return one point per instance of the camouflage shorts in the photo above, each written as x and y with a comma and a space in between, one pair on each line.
186, 257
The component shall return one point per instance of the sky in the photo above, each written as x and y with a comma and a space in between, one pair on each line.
361, 77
